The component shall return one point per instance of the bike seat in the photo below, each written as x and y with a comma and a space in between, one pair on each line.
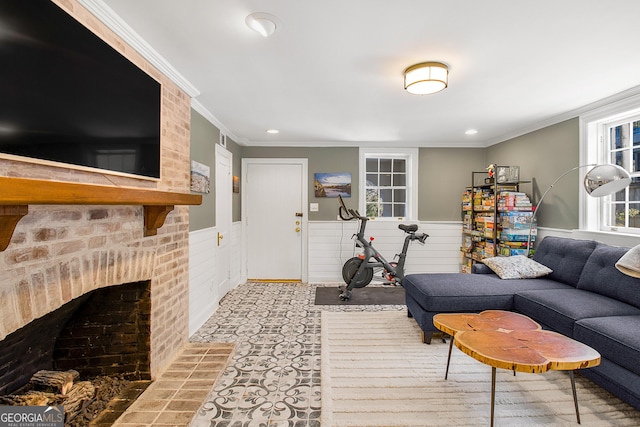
408, 228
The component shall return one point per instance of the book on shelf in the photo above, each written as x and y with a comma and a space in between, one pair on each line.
514, 208
507, 251
513, 245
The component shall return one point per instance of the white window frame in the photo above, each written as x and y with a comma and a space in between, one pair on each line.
593, 150
411, 155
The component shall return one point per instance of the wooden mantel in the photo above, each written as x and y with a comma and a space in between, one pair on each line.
16, 194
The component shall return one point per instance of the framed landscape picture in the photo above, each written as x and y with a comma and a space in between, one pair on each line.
332, 184
200, 177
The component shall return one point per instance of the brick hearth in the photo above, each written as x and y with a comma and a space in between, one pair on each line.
180, 391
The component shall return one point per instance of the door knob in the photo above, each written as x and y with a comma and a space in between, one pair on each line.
297, 229
220, 237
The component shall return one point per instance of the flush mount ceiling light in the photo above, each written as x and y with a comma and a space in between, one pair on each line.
426, 78
273, 131
262, 23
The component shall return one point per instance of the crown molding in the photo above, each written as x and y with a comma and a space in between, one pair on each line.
628, 94
196, 105
116, 24
358, 144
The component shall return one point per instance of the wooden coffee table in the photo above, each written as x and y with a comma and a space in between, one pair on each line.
489, 320
533, 350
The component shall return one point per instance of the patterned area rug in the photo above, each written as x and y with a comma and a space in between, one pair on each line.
376, 372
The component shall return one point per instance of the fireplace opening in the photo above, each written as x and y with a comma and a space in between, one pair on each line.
103, 334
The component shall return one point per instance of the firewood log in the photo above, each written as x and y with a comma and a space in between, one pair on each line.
75, 374
61, 381
31, 398
80, 395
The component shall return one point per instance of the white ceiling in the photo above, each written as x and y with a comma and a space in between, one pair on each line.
332, 72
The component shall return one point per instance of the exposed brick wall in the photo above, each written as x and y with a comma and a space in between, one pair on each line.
58, 253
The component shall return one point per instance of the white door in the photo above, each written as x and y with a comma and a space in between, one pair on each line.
274, 203
223, 219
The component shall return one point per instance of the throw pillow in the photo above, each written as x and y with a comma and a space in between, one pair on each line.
629, 263
516, 267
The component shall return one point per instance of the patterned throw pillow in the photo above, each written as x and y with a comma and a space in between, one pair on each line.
516, 267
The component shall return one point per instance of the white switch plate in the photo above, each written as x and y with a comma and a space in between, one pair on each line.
313, 207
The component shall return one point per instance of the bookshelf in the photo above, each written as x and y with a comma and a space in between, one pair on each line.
495, 220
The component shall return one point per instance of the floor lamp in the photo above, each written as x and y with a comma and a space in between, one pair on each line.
600, 181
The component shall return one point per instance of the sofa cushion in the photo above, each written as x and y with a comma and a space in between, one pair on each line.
516, 267
566, 257
616, 338
561, 308
446, 292
617, 380
601, 276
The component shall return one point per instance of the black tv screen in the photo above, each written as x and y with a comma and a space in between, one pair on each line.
67, 96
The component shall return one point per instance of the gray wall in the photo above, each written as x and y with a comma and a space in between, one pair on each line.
543, 156
204, 137
321, 159
443, 175
236, 199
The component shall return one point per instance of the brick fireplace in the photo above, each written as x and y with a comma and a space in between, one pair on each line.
58, 254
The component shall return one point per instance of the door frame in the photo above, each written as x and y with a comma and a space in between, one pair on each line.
222, 152
304, 259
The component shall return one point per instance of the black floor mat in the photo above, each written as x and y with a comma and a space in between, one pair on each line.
388, 295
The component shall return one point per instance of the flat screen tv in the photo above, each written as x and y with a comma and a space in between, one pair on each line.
67, 96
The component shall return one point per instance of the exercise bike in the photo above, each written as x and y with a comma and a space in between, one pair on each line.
358, 271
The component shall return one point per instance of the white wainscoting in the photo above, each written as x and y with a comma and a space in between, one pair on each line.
236, 255
330, 245
204, 293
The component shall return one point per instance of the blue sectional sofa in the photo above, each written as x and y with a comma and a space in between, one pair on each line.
585, 298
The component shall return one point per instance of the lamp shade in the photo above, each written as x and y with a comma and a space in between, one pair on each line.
629, 263
426, 78
606, 179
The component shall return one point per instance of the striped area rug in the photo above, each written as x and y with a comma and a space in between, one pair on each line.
376, 372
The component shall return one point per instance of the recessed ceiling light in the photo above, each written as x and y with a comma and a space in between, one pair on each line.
471, 132
273, 131
262, 23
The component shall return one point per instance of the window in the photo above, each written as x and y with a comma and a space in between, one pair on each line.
622, 147
389, 178
611, 134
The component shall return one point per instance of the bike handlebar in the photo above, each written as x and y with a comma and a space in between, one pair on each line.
421, 237
348, 214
